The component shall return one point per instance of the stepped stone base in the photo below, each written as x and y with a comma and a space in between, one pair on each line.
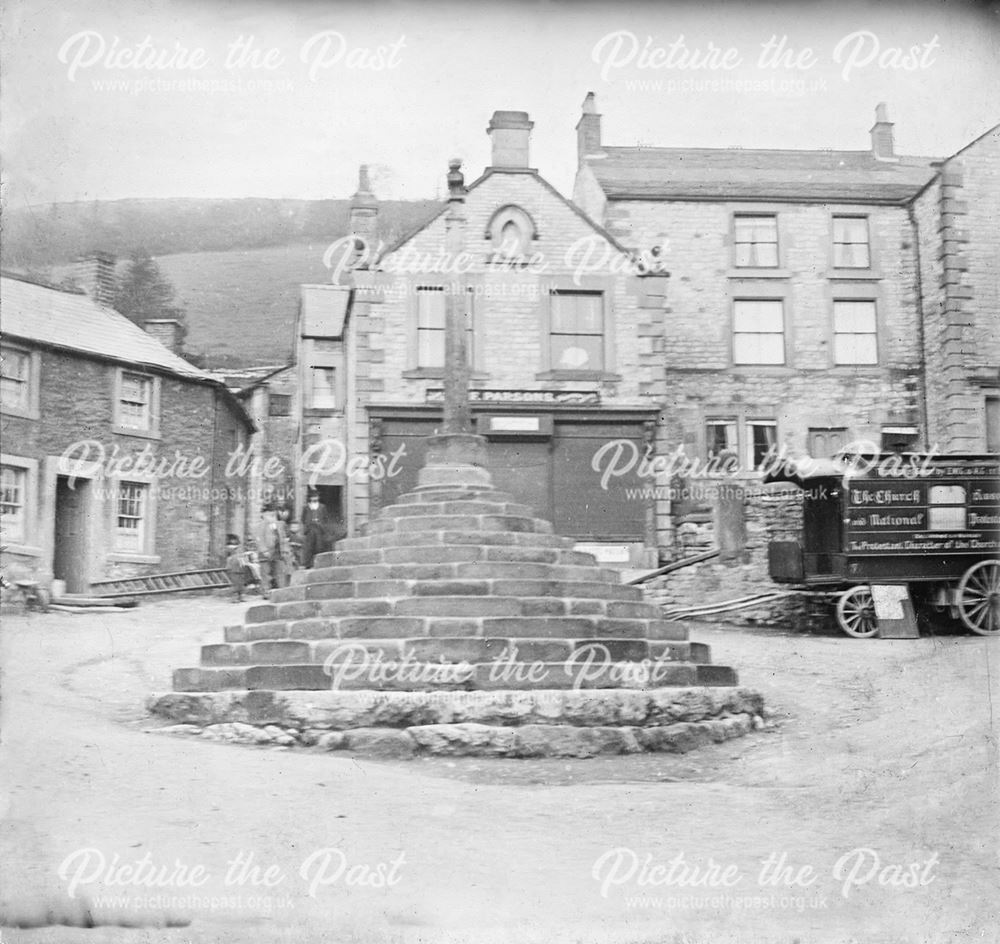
537, 723
457, 622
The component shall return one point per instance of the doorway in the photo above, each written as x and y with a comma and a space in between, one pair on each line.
70, 555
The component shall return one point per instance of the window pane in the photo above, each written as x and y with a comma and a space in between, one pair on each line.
762, 438
430, 308
430, 348
854, 317
14, 365
720, 438
279, 404
759, 349
12, 498
850, 238
765, 255
756, 240
574, 313
855, 349
131, 514
758, 316
848, 229
577, 352
324, 387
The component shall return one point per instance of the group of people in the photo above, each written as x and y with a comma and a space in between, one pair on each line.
279, 545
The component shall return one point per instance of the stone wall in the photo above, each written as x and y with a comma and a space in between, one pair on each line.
960, 280
809, 390
766, 513
192, 515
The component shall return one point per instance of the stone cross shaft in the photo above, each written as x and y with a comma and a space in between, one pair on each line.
457, 414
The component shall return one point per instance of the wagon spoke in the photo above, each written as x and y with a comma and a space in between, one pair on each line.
979, 597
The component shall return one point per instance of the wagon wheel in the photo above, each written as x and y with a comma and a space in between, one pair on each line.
856, 613
979, 597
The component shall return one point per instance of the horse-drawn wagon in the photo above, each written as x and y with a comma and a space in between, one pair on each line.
926, 525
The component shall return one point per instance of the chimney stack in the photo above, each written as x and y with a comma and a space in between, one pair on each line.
588, 130
167, 331
364, 217
510, 132
96, 275
882, 145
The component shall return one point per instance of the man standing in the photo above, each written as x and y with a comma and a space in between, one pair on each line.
319, 529
272, 543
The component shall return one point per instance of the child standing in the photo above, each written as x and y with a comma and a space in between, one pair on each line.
234, 566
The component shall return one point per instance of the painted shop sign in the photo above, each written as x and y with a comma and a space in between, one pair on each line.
574, 397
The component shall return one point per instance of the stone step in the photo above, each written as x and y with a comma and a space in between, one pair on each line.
368, 546
455, 562
428, 676
453, 522
423, 494
453, 476
357, 555
451, 650
582, 597
383, 625
438, 552
466, 506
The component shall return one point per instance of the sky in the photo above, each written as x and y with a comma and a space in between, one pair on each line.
241, 98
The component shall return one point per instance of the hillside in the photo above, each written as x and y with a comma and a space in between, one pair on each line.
236, 265
241, 305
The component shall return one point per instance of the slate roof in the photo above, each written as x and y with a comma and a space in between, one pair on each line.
78, 323
641, 173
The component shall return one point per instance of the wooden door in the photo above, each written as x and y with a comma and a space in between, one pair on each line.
70, 557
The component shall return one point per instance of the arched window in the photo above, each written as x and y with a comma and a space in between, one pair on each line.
511, 232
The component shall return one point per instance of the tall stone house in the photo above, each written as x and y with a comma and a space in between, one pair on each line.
564, 335
115, 450
816, 297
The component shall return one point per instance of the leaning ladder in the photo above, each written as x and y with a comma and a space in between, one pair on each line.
212, 579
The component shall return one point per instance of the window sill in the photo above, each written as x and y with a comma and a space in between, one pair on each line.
321, 411
123, 557
579, 375
437, 373
756, 272
23, 550
853, 275
137, 433
27, 414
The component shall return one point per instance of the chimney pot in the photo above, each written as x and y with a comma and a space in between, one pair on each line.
588, 130
166, 330
510, 133
364, 218
96, 274
883, 148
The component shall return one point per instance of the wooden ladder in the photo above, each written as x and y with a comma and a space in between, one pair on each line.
215, 578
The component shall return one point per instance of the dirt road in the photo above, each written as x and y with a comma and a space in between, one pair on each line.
874, 799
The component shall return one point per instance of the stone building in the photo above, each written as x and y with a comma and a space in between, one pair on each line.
958, 220
817, 298
270, 396
322, 377
794, 315
565, 338
115, 450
